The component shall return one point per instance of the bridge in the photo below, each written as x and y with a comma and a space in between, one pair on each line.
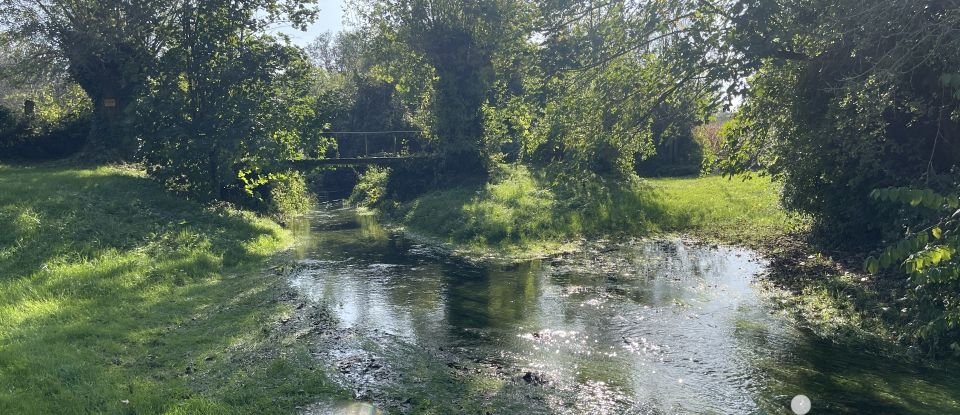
364, 148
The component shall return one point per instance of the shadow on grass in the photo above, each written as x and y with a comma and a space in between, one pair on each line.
117, 297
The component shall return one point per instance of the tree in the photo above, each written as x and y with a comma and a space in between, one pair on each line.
110, 47
846, 103
350, 96
850, 97
445, 50
227, 103
105, 46
619, 74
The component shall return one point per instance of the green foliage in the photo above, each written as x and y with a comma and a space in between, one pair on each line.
226, 104
117, 297
622, 81
709, 138
57, 128
290, 196
508, 128
835, 112
111, 48
927, 254
842, 104
350, 97
371, 189
84, 40
677, 150
8, 121
442, 55
596, 85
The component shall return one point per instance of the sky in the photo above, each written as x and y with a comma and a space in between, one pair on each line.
330, 19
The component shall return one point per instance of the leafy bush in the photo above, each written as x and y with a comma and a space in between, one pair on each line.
833, 146
8, 121
371, 189
836, 113
58, 128
289, 196
224, 131
928, 255
845, 103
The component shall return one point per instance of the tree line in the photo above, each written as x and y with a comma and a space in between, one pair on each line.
851, 104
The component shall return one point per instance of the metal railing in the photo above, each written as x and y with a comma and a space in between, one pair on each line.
366, 144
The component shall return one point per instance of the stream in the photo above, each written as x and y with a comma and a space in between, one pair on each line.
640, 327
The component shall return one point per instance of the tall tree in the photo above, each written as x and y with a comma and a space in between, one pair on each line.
845, 102
619, 73
453, 44
109, 47
851, 96
105, 46
226, 100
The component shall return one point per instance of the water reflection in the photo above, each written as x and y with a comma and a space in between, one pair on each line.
652, 327
494, 298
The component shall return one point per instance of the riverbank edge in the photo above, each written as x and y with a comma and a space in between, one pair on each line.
825, 293
263, 369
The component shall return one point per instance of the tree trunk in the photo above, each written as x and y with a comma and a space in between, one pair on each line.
109, 139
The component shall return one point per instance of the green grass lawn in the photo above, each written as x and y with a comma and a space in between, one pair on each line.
523, 211
736, 210
117, 297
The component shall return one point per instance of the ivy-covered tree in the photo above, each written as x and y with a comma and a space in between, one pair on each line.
110, 48
443, 52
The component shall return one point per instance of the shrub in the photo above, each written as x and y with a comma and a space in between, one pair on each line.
8, 121
38, 138
928, 254
289, 196
371, 189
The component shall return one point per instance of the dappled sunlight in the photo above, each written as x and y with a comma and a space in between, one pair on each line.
20, 313
491, 206
135, 299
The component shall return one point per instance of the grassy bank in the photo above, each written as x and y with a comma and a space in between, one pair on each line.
116, 297
524, 212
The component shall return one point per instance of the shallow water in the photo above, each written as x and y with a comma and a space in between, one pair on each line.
640, 327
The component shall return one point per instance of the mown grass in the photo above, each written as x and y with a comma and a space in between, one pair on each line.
116, 297
522, 211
